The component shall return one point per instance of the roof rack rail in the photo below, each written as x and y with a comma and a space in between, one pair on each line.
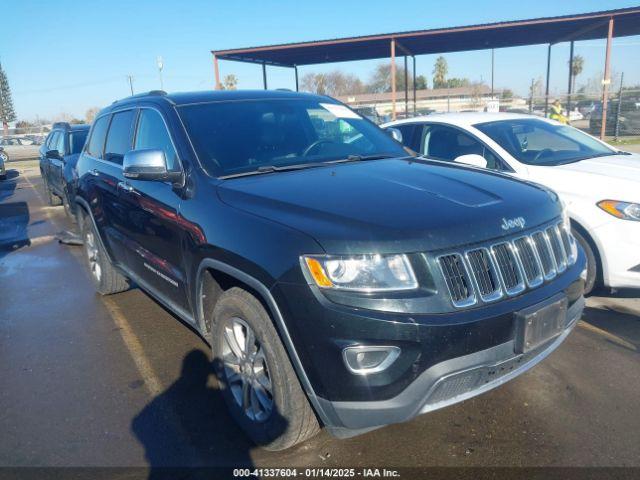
155, 93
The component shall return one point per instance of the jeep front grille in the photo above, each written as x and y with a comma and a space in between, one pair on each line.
507, 268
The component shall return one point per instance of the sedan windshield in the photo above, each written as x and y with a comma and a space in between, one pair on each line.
237, 137
537, 142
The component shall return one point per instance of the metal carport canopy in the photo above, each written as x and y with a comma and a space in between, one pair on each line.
549, 30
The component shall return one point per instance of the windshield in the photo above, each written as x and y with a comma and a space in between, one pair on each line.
536, 142
236, 137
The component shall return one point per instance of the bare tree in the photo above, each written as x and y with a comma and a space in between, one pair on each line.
334, 83
90, 114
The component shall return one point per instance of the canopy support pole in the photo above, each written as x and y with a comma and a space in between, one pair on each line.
216, 72
415, 107
569, 88
607, 80
406, 88
264, 75
546, 90
393, 78
295, 67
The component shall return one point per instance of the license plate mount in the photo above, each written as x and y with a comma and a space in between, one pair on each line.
540, 323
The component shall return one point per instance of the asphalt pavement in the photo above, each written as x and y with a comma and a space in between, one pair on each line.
120, 381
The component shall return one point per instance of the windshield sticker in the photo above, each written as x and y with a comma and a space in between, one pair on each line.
340, 111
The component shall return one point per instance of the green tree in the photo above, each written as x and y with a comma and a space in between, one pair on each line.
7, 113
507, 94
421, 82
440, 70
457, 82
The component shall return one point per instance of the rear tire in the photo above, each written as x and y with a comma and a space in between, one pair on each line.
258, 382
106, 279
593, 268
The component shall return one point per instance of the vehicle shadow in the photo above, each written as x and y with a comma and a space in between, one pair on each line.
620, 324
187, 431
14, 220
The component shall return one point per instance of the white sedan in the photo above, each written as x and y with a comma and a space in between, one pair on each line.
599, 185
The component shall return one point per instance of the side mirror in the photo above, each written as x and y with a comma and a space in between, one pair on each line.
395, 134
473, 159
53, 154
147, 164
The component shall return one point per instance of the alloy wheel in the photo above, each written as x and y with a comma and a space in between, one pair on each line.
93, 255
246, 372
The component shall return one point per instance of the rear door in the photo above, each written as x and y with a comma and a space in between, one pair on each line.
102, 171
152, 227
56, 164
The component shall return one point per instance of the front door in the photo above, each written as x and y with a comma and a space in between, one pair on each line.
152, 227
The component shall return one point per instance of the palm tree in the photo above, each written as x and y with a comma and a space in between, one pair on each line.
576, 69
440, 70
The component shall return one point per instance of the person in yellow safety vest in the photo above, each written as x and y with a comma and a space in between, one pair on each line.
557, 114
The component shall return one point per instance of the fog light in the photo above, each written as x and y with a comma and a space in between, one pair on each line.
363, 360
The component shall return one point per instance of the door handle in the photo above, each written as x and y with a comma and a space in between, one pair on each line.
94, 172
126, 187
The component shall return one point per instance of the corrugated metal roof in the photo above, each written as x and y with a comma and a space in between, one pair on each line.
585, 26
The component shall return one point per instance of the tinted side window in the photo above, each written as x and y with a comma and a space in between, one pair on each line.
49, 141
120, 136
98, 133
408, 132
77, 141
446, 143
152, 133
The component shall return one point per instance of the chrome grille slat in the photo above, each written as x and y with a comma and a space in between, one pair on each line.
457, 279
509, 267
545, 253
557, 247
529, 261
484, 273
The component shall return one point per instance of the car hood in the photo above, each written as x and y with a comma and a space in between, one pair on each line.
625, 167
394, 205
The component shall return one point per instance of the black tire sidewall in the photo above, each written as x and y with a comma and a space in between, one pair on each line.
233, 305
592, 262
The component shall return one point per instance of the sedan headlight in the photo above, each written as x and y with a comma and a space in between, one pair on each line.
623, 210
361, 273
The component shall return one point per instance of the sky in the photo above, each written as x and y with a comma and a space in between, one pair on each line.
68, 56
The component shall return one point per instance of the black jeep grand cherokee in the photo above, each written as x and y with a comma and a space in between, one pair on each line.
338, 280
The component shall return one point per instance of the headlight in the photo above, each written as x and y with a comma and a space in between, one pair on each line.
361, 273
624, 210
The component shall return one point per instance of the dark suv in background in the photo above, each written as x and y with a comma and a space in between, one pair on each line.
339, 281
58, 157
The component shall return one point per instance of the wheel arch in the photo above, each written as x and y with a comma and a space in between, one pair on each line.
600, 270
216, 276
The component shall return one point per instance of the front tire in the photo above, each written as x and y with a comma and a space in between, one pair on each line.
106, 279
258, 382
593, 269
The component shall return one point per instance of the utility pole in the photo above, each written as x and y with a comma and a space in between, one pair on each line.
531, 96
130, 78
160, 67
492, 69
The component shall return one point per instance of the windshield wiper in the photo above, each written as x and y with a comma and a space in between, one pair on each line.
364, 158
274, 168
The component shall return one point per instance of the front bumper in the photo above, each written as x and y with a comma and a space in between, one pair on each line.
448, 382
619, 247
444, 358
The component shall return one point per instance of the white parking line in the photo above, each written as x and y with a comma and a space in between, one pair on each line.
151, 380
